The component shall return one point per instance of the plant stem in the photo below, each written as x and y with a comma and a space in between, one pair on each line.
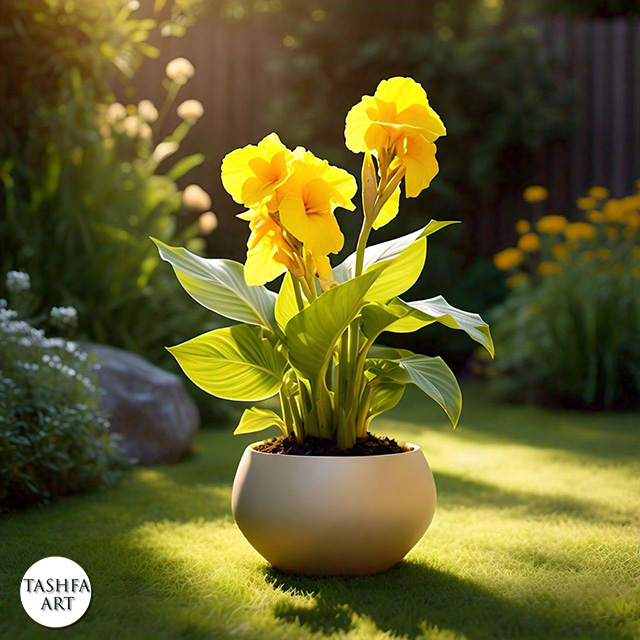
362, 245
298, 291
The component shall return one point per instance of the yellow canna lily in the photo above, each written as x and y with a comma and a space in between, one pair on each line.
269, 254
398, 108
399, 126
252, 174
308, 198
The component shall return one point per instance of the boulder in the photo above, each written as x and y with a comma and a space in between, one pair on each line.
150, 407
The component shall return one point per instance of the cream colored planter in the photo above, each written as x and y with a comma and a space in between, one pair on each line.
331, 515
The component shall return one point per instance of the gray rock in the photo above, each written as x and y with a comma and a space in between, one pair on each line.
149, 406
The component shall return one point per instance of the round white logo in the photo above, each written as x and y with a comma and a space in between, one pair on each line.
55, 592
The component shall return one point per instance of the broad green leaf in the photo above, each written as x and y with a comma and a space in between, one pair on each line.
423, 312
256, 419
403, 259
312, 334
378, 351
435, 378
219, 285
234, 363
286, 305
385, 396
377, 317
184, 165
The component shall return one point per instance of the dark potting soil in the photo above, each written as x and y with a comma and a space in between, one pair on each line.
370, 445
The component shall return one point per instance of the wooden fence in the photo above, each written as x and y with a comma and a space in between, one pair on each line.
600, 58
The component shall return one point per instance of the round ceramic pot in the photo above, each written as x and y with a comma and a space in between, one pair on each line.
316, 515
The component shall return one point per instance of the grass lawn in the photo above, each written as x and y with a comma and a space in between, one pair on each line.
537, 535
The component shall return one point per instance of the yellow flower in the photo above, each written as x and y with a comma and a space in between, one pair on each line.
269, 253
523, 226
551, 224
588, 256
252, 174
398, 108
516, 280
560, 252
595, 216
613, 232
535, 193
529, 242
586, 203
308, 198
613, 210
398, 124
508, 259
633, 220
549, 268
603, 253
389, 210
580, 230
600, 193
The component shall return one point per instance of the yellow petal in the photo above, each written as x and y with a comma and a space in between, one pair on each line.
389, 210
253, 173
356, 126
421, 164
261, 266
319, 232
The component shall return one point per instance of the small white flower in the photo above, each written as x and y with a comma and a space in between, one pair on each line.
132, 126
147, 111
190, 110
18, 281
180, 70
195, 198
207, 223
115, 113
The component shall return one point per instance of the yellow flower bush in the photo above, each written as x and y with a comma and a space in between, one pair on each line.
607, 237
581, 273
312, 343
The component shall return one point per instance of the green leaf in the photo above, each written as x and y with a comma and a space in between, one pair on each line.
388, 353
219, 285
256, 419
234, 363
377, 317
385, 396
184, 165
286, 305
312, 334
423, 312
435, 378
403, 258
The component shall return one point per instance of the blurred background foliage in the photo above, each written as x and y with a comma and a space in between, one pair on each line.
82, 184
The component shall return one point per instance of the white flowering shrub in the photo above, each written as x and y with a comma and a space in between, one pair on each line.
54, 439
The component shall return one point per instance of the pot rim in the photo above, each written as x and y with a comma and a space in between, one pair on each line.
251, 448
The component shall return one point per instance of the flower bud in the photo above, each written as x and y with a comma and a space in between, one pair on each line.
195, 198
369, 186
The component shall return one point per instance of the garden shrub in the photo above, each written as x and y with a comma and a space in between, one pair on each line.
568, 332
54, 439
83, 182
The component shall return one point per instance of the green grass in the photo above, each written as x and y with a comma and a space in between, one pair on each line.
537, 535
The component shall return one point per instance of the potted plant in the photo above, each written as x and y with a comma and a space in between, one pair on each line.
327, 497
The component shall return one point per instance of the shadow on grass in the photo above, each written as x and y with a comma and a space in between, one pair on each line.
457, 491
410, 599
